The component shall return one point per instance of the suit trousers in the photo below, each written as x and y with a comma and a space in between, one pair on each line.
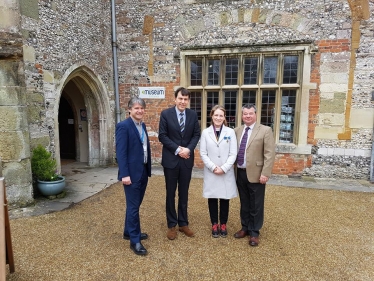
134, 196
252, 198
178, 177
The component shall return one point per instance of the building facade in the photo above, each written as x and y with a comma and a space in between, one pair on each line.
307, 65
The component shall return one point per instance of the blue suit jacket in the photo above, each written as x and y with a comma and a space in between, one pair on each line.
171, 137
129, 151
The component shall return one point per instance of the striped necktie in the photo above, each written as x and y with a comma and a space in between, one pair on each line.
181, 121
242, 146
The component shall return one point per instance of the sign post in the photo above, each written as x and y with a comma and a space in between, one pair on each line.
6, 250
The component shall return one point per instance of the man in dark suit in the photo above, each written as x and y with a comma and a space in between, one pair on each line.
255, 162
134, 167
179, 133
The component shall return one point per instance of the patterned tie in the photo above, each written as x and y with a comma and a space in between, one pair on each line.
181, 121
242, 146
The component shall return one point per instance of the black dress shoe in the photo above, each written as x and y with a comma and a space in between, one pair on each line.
138, 249
143, 236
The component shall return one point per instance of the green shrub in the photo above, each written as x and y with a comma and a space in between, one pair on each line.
43, 166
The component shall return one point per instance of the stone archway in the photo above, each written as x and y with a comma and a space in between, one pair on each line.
100, 124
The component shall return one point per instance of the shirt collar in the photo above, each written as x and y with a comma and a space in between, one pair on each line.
137, 123
179, 112
251, 127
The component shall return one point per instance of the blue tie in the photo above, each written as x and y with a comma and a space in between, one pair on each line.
242, 146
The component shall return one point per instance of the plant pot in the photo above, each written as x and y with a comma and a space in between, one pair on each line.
48, 188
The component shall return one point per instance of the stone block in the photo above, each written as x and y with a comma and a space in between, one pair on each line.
340, 95
18, 172
334, 67
327, 95
362, 153
34, 113
12, 96
362, 118
28, 53
12, 118
48, 76
45, 140
335, 78
322, 151
331, 119
9, 73
339, 151
333, 87
332, 106
14, 145
327, 132
9, 19
19, 196
349, 152
29, 8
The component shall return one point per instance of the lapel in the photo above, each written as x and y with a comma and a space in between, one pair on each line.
254, 132
239, 135
136, 132
223, 134
175, 119
212, 134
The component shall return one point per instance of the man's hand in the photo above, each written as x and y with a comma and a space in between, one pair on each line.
126, 180
263, 179
184, 152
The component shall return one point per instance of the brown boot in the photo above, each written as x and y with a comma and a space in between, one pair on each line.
188, 232
172, 233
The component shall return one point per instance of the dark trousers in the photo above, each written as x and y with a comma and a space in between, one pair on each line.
252, 198
134, 196
223, 210
180, 178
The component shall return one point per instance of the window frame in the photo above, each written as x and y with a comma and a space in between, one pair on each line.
302, 88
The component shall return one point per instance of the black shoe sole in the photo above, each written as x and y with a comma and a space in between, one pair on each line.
139, 253
128, 238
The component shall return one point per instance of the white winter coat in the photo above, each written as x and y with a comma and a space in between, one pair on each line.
220, 153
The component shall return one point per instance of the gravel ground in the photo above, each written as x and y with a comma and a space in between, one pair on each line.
308, 234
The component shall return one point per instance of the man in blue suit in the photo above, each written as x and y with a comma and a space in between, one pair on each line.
179, 133
134, 167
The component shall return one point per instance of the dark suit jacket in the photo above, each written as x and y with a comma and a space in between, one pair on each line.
129, 151
171, 137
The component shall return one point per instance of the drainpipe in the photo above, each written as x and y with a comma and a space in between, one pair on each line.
115, 66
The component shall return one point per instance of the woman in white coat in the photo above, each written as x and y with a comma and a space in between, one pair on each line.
218, 150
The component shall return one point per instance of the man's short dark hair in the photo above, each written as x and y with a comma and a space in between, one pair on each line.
183, 91
249, 106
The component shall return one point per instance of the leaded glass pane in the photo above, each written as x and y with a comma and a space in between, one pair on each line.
268, 108
213, 72
250, 71
249, 97
231, 74
195, 104
270, 70
287, 117
230, 106
196, 72
290, 69
212, 100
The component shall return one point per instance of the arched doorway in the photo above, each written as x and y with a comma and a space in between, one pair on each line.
91, 122
66, 122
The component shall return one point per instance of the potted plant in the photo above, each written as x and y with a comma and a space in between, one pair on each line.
43, 168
